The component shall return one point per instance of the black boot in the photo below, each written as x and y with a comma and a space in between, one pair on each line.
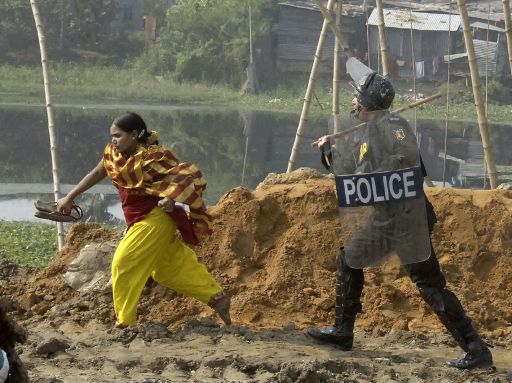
451, 313
341, 336
349, 285
477, 356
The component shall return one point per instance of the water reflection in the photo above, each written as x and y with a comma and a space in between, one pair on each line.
457, 160
232, 148
97, 209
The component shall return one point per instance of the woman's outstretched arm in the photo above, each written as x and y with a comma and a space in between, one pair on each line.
92, 178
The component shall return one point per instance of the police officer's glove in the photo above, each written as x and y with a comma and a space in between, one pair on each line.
326, 156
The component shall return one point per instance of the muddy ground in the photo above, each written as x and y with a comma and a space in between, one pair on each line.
274, 251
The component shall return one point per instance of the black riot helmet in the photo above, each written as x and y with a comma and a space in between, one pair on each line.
374, 92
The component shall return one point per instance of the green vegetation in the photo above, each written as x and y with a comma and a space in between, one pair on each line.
200, 56
208, 40
100, 85
95, 84
93, 31
28, 244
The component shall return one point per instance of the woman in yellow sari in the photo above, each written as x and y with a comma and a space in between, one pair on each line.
150, 180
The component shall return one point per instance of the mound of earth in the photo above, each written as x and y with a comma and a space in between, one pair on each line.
274, 251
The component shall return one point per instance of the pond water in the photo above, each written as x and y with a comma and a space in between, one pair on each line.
232, 148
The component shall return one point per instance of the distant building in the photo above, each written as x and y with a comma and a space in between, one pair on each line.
433, 35
298, 31
490, 50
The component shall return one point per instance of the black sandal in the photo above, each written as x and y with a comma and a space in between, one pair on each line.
48, 210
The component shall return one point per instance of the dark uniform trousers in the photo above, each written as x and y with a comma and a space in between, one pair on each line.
430, 281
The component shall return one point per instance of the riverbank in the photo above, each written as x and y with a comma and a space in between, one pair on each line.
111, 85
279, 268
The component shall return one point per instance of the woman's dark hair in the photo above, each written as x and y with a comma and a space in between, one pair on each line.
129, 122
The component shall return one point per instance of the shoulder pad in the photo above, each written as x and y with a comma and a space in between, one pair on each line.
397, 120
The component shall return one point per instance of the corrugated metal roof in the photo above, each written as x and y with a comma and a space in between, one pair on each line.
478, 9
420, 21
300, 4
486, 55
347, 9
485, 26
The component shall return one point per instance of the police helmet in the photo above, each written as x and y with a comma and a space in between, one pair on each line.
374, 92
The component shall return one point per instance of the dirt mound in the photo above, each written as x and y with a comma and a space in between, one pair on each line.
38, 291
274, 251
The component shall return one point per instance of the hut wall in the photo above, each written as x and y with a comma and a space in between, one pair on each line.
297, 38
297, 34
429, 48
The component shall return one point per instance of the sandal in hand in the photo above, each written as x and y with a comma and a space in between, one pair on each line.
48, 210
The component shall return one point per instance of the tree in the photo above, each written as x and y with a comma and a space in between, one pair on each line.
208, 40
17, 31
70, 26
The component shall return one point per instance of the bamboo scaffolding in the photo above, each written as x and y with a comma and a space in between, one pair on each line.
382, 38
426, 179
508, 30
447, 114
336, 72
475, 81
49, 111
309, 90
327, 14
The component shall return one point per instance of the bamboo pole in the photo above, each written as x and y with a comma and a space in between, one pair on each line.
475, 81
336, 72
382, 38
49, 111
508, 30
250, 35
331, 23
309, 90
365, 7
396, 111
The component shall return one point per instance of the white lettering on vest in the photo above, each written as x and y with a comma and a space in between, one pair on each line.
350, 189
376, 196
377, 188
386, 189
395, 177
368, 197
408, 182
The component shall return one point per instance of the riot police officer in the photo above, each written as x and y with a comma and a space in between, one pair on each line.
384, 141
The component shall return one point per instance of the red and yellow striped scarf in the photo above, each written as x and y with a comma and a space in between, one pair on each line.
155, 170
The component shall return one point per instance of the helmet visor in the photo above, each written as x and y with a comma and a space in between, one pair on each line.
360, 74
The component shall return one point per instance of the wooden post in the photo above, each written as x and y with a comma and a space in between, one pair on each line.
480, 109
508, 30
49, 111
382, 38
336, 73
365, 7
309, 90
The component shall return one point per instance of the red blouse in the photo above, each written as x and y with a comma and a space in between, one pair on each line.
137, 206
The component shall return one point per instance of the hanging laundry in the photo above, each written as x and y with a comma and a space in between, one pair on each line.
436, 62
392, 67
420, 69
